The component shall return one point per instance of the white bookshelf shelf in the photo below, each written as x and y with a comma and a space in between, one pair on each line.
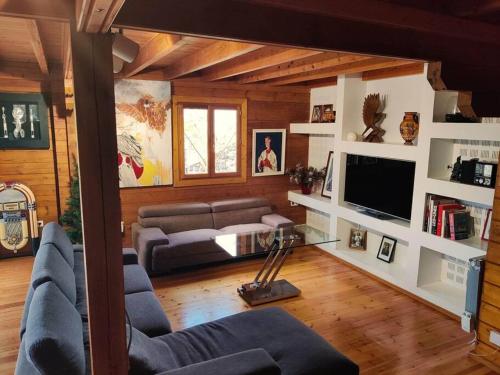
444, 295
478, 194
461, 249
469, 131
313, 128
314, 201
385, 150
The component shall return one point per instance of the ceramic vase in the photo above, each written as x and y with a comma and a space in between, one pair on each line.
409, 127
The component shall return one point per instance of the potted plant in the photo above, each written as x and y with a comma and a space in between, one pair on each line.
306, 177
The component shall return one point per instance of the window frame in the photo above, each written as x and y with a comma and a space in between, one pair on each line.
211, 104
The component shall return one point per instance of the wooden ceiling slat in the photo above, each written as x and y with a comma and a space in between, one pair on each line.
154, 50
349, 68
260, 59
66, 50
21, 71
322, 61
37, 45
208, 56
55, 10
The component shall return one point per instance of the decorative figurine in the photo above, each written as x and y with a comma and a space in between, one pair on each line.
18, 114
32, 127
372, 117
457, 170
409, 127
4, 121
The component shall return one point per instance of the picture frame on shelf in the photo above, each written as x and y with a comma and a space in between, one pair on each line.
357, 239
328, 114
317, 113
386, 249
327, 189
268, 152
487, 226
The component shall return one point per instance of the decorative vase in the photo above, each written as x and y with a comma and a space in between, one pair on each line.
409, 127
306, 189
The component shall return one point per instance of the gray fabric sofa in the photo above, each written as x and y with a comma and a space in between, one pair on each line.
178, 235
54, 336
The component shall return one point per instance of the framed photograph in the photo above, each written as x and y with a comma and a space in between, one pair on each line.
386, 249
268, 152
144, 132
24, 121
317, 113
487, 226
357, 239
328, 114
327, 188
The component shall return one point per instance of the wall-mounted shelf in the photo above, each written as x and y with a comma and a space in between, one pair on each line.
314, 201
313, 128
469, 131
444, 295
461, 249
384, 150
471, 193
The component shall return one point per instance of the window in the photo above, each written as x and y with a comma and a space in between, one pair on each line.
210, 141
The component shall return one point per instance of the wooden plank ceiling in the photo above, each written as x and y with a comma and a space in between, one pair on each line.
30, 48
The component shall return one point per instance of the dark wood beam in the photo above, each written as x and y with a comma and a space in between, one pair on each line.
208, 56
37, 45
53, 10
100, 200
260, 59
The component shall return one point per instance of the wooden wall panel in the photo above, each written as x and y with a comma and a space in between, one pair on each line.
45, 172
489, 315
267, 108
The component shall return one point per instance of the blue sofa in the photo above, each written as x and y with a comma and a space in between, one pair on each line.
54, 330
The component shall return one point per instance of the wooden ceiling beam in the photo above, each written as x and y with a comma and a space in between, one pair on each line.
155, 49
395, 71
260, 59
66, 53
53, 10
23, 71
96, 16
208, 56
349, 68
37, 45
322, 61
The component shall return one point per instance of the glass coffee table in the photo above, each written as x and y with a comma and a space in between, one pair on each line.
277, 244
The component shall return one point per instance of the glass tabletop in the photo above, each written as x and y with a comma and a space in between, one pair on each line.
263, 241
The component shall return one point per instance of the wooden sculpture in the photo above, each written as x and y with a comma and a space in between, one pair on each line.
372, 117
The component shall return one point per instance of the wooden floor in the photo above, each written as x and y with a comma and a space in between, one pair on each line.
381, 329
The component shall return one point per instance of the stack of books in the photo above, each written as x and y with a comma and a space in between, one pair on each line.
447, 218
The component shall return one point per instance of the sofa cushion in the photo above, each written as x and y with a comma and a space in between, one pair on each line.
54, 234
238, 204
189, 237
130, 256
136, 279
240, 216
174, 209
276, 221
296, 348
53, 338
81, 286
23, 366
146, 314
246, 228
50, 266
27, 303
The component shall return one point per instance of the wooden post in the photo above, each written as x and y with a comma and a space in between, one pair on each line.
99, 189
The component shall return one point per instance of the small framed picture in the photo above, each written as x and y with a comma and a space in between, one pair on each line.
487, 226
357, 239
327, 189
328, 114
268, 152
386, 249
317, 113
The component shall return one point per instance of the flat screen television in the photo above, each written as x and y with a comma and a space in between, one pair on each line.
381, 186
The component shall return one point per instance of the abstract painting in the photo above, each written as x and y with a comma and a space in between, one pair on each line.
144, 131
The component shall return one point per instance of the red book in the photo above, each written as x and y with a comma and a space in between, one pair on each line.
441, 207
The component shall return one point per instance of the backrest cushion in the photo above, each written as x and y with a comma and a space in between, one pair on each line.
54, 234
51, 266
27, 303
173, 209
23, 366
54, 338
239, 211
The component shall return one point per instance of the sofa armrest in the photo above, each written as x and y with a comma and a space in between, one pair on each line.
130, 256
144, 241
276, 221
249, 362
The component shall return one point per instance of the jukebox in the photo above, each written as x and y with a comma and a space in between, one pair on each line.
18, 220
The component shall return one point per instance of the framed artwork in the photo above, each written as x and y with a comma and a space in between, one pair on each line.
24, 122
144, 131
328, 114
357, 239
316, 113
268, 152
326, 190
487, 226
386, 249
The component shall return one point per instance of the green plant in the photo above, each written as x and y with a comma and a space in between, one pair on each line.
306, 176
71, 219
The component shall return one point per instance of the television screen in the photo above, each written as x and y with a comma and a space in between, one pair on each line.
382, 185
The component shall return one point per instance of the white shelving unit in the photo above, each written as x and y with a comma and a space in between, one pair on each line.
420, 258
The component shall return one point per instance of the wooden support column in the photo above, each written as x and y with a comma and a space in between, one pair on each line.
99, 190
